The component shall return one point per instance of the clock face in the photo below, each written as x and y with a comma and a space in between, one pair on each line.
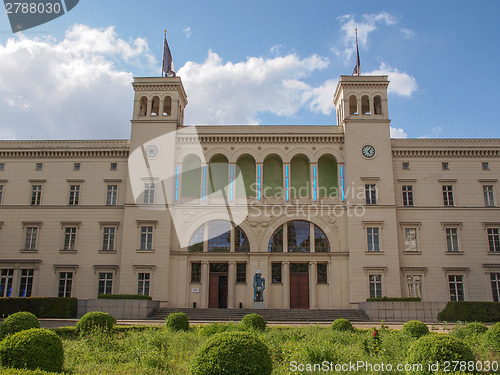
151, 151
368, 151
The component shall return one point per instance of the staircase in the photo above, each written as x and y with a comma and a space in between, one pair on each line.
288, 315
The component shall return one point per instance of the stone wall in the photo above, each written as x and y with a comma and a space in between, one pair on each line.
119, 308
402, 311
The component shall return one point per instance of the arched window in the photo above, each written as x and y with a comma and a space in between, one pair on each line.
246, 166
191, 177
167, 106
377, 103
365, 105
155, 106
219, 177
241, 244
143, 106
273, 177
276, 241
353, 105
321, 244
327, 176
218, 236
300, 177
298, 238
196, 243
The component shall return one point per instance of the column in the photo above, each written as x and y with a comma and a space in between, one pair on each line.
232, 242
312, 284
286, 285
231, 280
205, 237
311, 238
205, 270
188, 283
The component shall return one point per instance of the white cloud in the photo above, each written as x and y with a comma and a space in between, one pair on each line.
435, 133
398, 133
68, 89
400, 83
407, 33
187, 32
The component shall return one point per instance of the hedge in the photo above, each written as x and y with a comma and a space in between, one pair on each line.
123, 296
41, 307
485, 312
394, 299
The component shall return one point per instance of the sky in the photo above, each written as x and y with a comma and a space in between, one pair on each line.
272, 62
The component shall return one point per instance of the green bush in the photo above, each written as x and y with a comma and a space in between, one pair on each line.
214, 328
254, 321
415, 328
32, 349
18, 322
42, 307
342, 325
486, 312
232, 353
95, 321
470, 329
123, 296
492, 337
15, 371
394, 299
177, 321
438, 348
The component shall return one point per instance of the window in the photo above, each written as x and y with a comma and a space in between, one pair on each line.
452, 240
276, 273
108, 242
406, 166
299, 234
375, 286
2, 166
39, 166
489, 200
196, 242
143, 282
1, 193
146, 238
65, 284
445, 166
219, 236
408, 195
493, 240
486, 166
411, 239
105, 283
69, 238
371, 194
495, 286
373, 239
241, 272
196, 272
112, 194
76, 166
241, 244
6, 280
114, 166
26, 283
74, 195
456, 284
414, 284
149, 193
322, 275
31, 236
36, 195
448, 195
276, 242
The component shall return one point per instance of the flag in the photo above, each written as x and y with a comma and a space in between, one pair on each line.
357, 68
168, 63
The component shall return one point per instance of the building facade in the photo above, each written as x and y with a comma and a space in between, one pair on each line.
330, 215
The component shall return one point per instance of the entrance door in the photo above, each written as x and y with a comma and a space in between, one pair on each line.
217, 290
299, 286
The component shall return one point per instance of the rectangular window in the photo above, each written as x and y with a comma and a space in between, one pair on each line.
486, 166
493, 240
495, 286
26, 283
452, 239
2, 166
241, 272
322, 275
1, 193
448, 195
414, 284
76, 166
456, 284
375, 286
371, 194
373, 239
31, 236
489, 200
407, 195
108, 242
146, 238
196, 272
112, 194
65, 284
143, 281
445, 166
149, 193
406, 166
113, 166
411, 239
105, 283
276, 273
6, 280
74, 195
70, 238
39, 166
36, 195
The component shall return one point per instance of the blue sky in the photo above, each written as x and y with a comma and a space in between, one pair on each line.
253, 62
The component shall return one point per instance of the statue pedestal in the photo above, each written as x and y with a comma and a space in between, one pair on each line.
258, 305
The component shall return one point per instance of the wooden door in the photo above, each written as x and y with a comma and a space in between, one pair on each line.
217, 290
299, 290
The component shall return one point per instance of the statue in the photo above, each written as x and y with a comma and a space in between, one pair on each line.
259, 284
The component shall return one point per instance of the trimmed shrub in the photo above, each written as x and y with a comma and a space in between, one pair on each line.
15, 371
18, 322
342, 325
492, 337
254, 321
437, 348
415, 328
32, 349
486, 312
42, 307
95, 321
394, 299
177, 321
123, 296
468, 330
232, 353
214, 328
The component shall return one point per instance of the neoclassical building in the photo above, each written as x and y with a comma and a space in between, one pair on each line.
331, 215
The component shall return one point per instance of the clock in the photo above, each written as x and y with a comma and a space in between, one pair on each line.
368, 151
151, 151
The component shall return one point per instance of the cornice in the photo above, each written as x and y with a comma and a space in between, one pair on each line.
445, 148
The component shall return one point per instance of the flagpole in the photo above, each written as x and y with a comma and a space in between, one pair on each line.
163, 43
